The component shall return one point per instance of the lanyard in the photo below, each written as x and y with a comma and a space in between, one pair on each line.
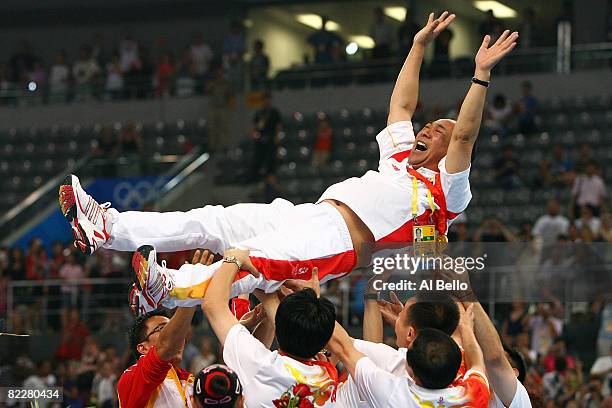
172, 374
415, 199
434, 190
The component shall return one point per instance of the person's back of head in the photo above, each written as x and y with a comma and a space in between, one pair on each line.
435, 310
217, 386
304, 323
434, 359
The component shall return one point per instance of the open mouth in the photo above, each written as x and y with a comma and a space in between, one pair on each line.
420, 146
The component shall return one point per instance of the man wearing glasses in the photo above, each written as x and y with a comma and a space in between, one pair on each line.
156, 380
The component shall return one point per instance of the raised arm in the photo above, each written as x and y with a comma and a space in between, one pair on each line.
468, 123
472, 351
406, 91
500, 372
217, 297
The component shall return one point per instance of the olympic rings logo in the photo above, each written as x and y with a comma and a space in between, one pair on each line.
134, 195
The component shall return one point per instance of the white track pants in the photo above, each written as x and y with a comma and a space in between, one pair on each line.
313, 235
212, 227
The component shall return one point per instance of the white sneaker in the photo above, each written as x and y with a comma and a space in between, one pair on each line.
87, 218
152, 280
138, 306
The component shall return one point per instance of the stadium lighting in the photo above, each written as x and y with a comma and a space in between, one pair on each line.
500, 10
352, 48
314, 21
363, 41
396, 13
32, 86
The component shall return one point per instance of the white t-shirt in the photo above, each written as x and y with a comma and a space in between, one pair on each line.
58, 77
601, 365
549, 228
383, 198
520, 400
594, 224
589, 190
201, 55
384, 357
381, 389
266, 375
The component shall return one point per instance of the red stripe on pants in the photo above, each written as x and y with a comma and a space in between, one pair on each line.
279, 270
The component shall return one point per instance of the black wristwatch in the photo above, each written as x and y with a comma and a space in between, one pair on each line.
372, 296
480, 82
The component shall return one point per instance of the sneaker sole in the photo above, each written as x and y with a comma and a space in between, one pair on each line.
140, 265
67, 201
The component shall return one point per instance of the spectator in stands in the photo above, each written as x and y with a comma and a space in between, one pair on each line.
527, 108
585, 157
73, 332
220, 101
406, 33
164, 75
71, 273
258, 66
557, 169
84, 71
544, 327
602, 369
103, 387
323, 144
499, 115
114, 77
17, 270
382, 33
99, 50
38, 75
59, 77
506, 170
202, 56
440, 63
588, 220
589, 190
323, 42
554, 381
130, 142
42, 379
491, 26
129, 56
558, 350
528, 30
493, 230
22, 61
205, 356
36, 261
106, 147
550, 226
513, 325
57, 259
267, 123
234, 47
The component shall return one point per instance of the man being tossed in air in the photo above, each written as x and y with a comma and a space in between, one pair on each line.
420, 181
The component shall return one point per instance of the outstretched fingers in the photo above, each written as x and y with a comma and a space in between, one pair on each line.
485, 42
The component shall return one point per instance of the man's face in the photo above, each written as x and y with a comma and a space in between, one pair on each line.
405, 334
431, 144
154, 326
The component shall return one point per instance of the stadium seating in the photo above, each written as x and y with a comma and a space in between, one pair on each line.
566, 122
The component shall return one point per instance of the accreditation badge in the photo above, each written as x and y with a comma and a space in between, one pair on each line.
424, 240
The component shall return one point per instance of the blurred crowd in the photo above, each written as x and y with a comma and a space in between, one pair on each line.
133, 69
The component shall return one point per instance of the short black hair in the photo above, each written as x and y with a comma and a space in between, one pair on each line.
517, 361
434, 358
304, 323
435, 310
138, 329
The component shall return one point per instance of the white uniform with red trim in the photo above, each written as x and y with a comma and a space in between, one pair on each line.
287, 241
383, 198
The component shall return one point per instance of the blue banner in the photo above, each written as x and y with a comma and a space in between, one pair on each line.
124, 194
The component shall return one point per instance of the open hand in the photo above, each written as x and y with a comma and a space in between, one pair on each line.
243, 256
390, 310
202, 256
433, 28
487, 57
299, 284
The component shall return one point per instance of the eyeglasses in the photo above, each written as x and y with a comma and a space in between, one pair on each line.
157, 329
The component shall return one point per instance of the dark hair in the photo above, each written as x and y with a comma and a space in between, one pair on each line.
304, 323
517, 361
435, 310
560, 364
137, 332
217, 386
434, 358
